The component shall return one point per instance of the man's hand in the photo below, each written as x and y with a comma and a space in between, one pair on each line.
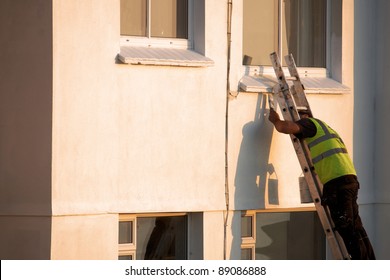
273, 116
287, 127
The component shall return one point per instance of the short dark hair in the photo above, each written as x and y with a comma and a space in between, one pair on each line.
304, 112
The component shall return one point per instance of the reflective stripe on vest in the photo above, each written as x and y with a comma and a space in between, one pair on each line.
328, 154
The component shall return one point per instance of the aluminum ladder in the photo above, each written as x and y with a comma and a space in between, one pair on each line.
290, 98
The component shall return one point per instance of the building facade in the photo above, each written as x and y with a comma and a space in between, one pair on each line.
139, 129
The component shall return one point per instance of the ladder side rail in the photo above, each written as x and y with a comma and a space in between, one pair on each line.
281, 79
283, 90
294, 73
297, 88
287, 103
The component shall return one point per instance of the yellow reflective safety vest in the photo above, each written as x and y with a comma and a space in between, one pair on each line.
328, 153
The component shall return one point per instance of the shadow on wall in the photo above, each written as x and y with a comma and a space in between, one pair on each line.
256, 182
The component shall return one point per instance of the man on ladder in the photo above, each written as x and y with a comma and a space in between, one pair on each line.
338, 176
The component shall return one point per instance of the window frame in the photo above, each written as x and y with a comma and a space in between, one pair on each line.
249, 242
167, 51
128, 249
307, 71
148, 41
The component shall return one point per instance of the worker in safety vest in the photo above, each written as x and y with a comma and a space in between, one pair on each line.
337, 173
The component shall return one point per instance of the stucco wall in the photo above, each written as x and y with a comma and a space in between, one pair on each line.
365, 89
25, 237
364, 116
25, 115
84, 237
372, 135
133, 138
382, 93
382, 130
25, 128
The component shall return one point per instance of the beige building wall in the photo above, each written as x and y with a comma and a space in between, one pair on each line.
84, 237
130, 139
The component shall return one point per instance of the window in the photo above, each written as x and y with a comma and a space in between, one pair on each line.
309, 29
162, 238
162, 32
283, 236
285, 26
155, 22
153, 237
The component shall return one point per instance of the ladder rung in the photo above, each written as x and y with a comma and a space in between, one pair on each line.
291, 78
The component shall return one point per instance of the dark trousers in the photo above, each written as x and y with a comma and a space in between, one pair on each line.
340, 195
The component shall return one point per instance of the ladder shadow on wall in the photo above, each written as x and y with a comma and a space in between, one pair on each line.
256, 182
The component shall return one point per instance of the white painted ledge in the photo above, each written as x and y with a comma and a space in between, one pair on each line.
163, 56
320, 85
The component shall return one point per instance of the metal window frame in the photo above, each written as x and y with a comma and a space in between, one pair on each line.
149, 41
249, 242
128, 248
252, 237
252, 247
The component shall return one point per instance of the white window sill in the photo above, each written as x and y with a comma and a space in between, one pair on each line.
163, 56
265, 83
